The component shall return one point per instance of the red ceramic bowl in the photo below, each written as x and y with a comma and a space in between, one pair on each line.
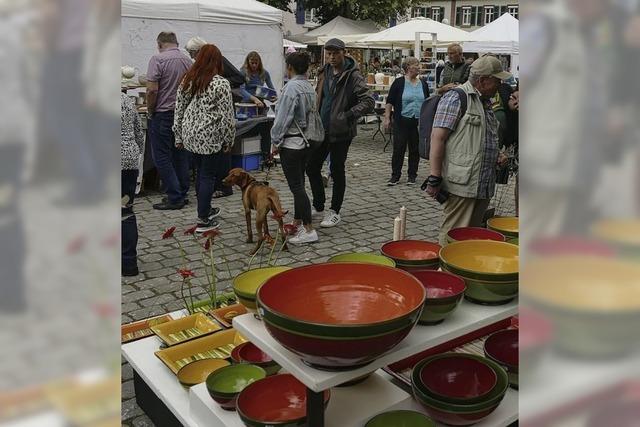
458, 379
440, 285
502, 347
235, 357
410, 253
250, 353
340, 315
275, 400
474, 233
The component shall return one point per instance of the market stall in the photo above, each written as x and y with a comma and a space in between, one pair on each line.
500, 37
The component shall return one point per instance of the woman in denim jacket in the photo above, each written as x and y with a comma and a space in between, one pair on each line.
297, 99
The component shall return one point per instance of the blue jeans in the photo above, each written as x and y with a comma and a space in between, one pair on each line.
208, 166
129, 225
172, 164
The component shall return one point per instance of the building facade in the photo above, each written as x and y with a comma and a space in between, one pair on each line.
299, 20
466, 14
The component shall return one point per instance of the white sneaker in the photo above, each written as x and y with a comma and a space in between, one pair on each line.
314, 212
304, 236
331, 219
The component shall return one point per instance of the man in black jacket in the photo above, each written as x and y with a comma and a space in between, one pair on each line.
343, 97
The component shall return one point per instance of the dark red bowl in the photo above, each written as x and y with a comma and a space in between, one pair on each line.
275, 400
458, 379
502, 346
440, 285
411, 252
474, 233
252, 354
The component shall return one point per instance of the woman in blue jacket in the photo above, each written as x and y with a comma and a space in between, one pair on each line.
406, 96
254, 75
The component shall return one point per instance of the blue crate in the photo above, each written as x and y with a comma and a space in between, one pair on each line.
248, 162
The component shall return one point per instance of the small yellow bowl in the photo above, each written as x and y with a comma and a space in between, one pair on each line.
246, 285
507, 225
198, 371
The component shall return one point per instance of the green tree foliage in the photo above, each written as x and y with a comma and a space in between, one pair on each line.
280, 4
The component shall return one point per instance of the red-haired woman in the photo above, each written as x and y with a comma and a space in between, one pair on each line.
205, 125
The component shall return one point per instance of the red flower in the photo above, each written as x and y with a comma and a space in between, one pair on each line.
168, 233
211, 233
185, 272
207, 244
191, 230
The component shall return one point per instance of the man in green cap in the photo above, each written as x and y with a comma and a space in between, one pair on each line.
464, 149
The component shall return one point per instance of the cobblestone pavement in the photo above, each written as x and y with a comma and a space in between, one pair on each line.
367, 222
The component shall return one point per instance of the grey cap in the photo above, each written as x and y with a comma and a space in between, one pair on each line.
334, 44
489, 66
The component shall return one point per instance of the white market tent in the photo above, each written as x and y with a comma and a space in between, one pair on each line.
236, 27
290, 43
405, 34
340, 26
351, 40
500, 37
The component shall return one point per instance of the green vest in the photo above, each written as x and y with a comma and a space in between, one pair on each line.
464, 149
455, 75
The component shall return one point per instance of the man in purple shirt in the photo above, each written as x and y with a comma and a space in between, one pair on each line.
164, 74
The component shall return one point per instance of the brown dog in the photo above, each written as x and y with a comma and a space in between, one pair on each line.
261, 198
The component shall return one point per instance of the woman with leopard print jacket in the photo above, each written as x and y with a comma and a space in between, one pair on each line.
205, 125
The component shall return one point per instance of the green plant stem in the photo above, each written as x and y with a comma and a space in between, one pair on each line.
273, 247
212, 282
191, 307
284, 242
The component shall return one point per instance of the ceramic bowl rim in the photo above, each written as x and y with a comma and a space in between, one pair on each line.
409, 262
253, 295
397, 411
491, 356
388, 261
504, 238
200, 360
441, 273
476, 273
224, 394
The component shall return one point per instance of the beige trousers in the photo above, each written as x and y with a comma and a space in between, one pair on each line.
462, 212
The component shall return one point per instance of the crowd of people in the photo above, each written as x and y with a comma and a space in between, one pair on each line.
192, 123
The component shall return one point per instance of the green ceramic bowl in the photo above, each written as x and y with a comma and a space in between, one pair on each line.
494, 397
488, 292
226, 383
363, 257
401, 418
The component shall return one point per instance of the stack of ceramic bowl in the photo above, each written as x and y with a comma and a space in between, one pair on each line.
459, 389
505, 225
473, 233
363, 257
411, 255
340, 315
249, 353
225, 384
400, 418
444, 293
246, 284
278, 400
489, 269
502, 348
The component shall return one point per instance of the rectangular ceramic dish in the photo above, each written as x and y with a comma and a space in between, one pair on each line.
141, 329
217, 345
225, 315
185, 329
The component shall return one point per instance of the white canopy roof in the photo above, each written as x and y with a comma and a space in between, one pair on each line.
340, 26
289, 43
351, 40
405, 33
500, 36
219, 11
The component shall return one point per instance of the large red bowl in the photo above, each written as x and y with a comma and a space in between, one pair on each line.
412, 253
340, 315
275, 400
473, 233
502, 346
458, 379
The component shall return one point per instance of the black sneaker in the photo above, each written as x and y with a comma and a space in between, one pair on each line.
166, 200
209, 224
168, 206
130, 271
393, 181
214, 212
411, 181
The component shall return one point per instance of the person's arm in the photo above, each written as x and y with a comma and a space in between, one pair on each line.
285, 114
153, 77
267, 80
391, 101
138, 132
224, 101
365, 102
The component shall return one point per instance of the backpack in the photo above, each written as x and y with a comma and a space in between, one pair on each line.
428, 114
313, 134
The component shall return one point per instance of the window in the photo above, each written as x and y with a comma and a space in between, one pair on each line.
488, 14
309, 15
435, 14
466, 16
416, 12
513, 10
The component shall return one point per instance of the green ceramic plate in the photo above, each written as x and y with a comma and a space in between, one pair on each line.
401, 418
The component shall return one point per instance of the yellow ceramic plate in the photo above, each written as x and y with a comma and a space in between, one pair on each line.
225, 315
247, 283
508, 224
583, 283
625, 231
482, 256
217, 345
185, 329
198, 371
